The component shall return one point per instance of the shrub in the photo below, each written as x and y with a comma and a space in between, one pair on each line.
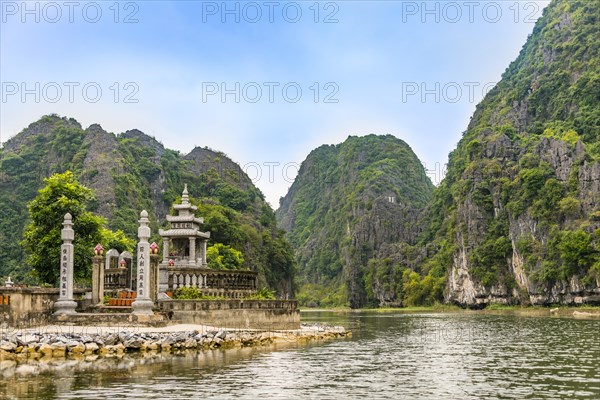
188, 293
263, 294
576, 251
569, 207
220, 256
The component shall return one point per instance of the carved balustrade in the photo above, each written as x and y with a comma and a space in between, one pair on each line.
212, 281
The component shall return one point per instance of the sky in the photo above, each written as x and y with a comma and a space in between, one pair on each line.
265, 82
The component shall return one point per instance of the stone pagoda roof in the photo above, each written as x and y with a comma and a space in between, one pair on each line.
185, 207
184, 218
183, 233
187, 218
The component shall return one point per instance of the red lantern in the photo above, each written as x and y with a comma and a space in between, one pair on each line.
123, 263
154, 248
171, 262
98, 250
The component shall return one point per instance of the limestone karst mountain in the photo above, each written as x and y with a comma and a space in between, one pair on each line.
349, 203
517, 218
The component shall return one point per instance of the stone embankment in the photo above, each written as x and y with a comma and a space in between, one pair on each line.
32, 345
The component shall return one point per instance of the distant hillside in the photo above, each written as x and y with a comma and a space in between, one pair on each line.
130, 172
348, 203
517, 218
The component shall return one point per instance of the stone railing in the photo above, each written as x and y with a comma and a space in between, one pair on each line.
265, 315
32, 306
116, 278
212, 280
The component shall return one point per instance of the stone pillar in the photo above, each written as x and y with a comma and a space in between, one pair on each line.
97, 280
142, 303
154, 274
165, 249
192, 251
163, 277
65, 303
204, 263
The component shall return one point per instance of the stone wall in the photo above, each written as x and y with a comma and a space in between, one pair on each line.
234, 314
24, 307
28, 307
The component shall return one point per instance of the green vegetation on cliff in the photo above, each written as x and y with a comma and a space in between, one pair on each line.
517, 218
522, 189
348, 201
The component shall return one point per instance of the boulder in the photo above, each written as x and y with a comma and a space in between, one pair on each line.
8, 346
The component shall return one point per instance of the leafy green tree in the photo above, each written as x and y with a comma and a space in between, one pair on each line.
42, 240
577, 251
417, 291
385, 277
116, 240
220, 256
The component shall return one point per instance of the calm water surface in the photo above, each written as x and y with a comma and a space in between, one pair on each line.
390, 356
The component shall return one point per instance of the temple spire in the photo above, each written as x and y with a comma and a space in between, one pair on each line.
184, 195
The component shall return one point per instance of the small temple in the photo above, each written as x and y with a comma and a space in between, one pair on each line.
148, 294
184, 245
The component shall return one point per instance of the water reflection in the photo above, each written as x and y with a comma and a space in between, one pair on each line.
390, 356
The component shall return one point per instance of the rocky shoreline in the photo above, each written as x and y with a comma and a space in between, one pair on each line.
32, 345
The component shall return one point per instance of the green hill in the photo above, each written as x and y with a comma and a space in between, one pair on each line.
517, 218
347, 204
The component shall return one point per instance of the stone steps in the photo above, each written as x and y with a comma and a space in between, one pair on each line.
112, 319
112, 309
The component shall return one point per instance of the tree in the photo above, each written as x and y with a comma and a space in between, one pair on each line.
576, 251
42, 240
220, 256
116, 240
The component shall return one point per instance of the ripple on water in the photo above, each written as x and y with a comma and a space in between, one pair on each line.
391, 356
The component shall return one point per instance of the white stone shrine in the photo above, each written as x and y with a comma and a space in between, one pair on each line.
184, 245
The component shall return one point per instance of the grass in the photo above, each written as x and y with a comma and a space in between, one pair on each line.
415, 309
561, 310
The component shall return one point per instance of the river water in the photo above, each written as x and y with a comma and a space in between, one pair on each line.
391, 355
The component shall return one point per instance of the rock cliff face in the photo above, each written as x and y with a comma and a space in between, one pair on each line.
348, 203
516, 220
130, 172
570, 168
102, 157
521, 209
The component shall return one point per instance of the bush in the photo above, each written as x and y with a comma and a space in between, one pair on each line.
570, 207
188, 293
418, 292
220, 256
576, 251
263, 294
